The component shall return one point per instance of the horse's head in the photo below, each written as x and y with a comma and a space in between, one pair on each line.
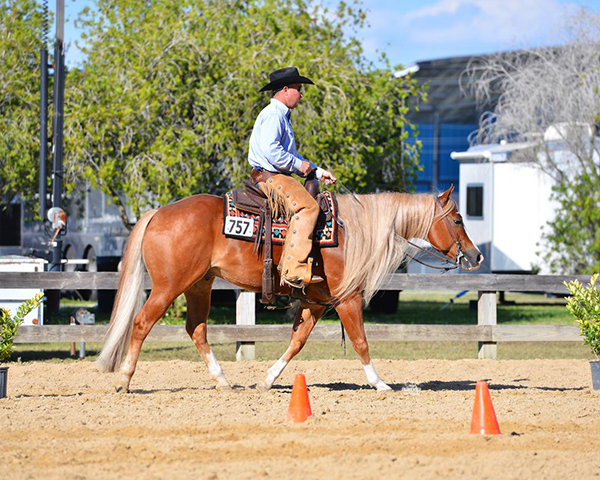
448, 235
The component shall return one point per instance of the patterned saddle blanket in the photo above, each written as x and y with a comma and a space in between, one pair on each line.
243, 224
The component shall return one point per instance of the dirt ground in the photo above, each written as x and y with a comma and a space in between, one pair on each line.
64, 421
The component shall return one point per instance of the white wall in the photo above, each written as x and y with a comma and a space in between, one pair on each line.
521, 209
516, 207
480, 229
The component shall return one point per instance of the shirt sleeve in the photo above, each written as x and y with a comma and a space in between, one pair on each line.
270, 145
319, 171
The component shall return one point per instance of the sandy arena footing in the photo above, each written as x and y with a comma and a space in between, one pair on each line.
64, 421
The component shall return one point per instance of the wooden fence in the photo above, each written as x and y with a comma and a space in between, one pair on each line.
487, 332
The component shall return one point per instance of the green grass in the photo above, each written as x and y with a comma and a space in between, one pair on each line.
518, 309
414, 308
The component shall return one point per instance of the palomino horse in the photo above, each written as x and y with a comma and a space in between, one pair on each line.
183, 249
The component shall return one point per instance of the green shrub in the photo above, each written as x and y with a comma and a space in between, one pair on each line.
584, 305
9, 324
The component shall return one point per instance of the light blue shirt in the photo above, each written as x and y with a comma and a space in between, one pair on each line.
272, 144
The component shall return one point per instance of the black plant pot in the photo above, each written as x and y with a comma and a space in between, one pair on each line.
595, 375
3, 381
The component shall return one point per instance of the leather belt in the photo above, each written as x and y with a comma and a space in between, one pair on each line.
260, 175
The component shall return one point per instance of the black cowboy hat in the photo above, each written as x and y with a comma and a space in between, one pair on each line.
283, 77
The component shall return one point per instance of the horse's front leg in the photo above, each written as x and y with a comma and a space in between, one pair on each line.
198, 307
351, 315
306, 318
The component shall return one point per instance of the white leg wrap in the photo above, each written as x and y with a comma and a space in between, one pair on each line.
274, 372
215, 369
374, 379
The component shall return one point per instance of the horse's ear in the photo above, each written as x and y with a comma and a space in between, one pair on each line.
444, 197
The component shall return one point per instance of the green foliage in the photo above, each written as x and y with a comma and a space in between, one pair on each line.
20, 44
176, 314
9, 324
584, 305
164, 105
574, 237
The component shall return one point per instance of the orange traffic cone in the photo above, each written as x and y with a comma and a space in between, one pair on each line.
484, 420
299, 409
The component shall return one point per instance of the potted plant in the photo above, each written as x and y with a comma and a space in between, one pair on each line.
584, 304
8, 330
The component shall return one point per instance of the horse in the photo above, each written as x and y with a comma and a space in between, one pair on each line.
183, 249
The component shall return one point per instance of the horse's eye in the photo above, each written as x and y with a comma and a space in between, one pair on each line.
458, 222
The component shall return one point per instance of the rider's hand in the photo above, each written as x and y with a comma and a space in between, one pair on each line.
305, 168
327, 178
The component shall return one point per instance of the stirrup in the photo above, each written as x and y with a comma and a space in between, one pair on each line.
297, 282
301, 282
308, 276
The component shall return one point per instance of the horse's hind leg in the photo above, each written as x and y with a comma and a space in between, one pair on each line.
198, 306
351, 315
306, 318
154, 308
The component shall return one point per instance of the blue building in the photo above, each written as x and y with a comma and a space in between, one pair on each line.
445, 122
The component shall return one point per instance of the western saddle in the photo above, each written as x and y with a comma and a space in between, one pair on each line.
252, 199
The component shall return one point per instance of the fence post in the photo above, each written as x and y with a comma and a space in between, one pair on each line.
487, 315
245, 315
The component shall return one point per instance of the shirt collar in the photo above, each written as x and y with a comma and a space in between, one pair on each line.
281, 107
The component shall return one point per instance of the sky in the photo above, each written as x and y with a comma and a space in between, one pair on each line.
415, 30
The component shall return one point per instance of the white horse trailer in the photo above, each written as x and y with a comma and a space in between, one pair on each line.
506, 206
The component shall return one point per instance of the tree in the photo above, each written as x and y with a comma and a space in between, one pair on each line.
164, 104
20, 44
550, 97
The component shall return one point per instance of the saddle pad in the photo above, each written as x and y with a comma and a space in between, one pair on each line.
244, 225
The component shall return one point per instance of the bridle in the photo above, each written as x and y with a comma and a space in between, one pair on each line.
459, 251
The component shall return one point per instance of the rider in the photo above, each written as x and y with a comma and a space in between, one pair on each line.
274, 157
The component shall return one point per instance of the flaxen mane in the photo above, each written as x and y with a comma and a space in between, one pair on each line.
376, 229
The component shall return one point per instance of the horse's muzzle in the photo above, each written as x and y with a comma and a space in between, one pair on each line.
471, 259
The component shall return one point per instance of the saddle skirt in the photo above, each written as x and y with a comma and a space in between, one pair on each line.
242, 210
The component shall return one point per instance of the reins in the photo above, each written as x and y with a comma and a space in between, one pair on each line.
433, 254
444, 258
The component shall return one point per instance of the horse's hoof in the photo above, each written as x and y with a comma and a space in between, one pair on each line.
263, 387
121, 388
224, 388
383, 391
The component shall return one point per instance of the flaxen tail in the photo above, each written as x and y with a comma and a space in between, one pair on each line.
129, 300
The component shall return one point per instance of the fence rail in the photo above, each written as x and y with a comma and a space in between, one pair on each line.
487, 332
278, 333
397, 281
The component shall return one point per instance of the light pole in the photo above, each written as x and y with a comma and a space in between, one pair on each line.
57, 130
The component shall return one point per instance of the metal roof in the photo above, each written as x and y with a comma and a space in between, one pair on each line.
445, 95
499, 152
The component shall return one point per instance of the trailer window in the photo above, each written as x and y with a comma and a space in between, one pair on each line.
475, 201
10, 225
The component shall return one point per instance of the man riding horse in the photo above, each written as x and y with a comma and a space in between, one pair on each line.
274, 157
373, 243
